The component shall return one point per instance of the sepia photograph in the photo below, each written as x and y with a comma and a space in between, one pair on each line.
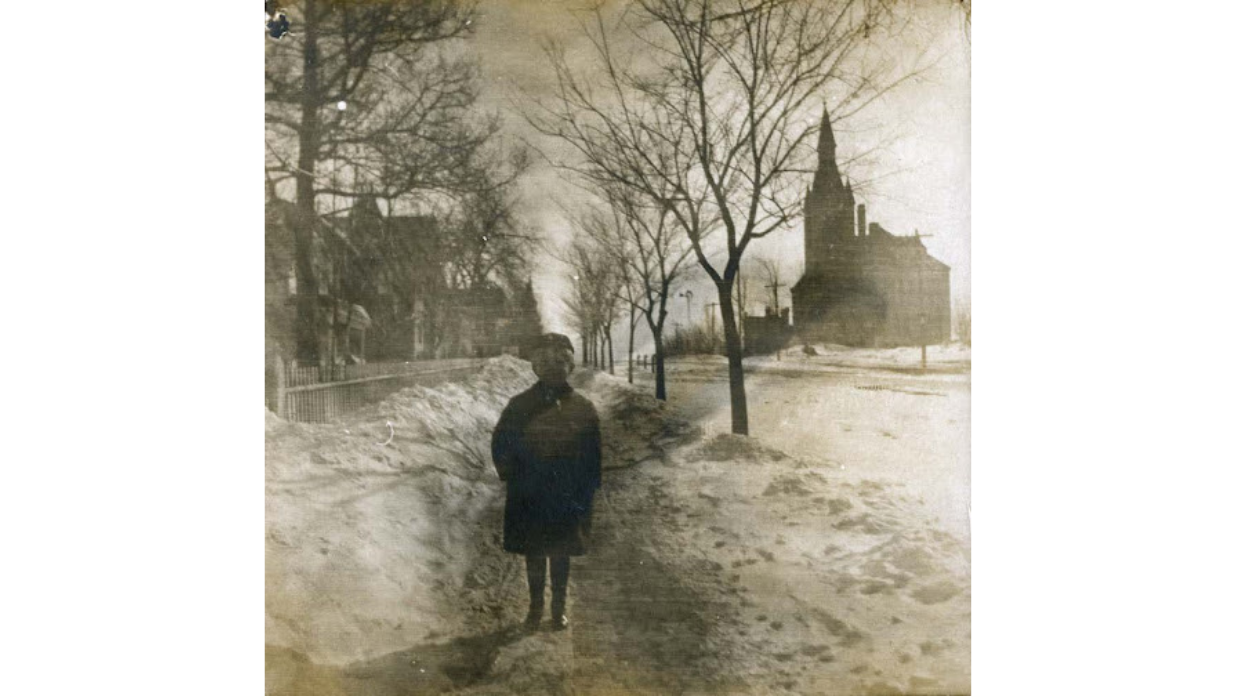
617, 347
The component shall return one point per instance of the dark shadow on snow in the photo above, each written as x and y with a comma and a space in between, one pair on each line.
429, 668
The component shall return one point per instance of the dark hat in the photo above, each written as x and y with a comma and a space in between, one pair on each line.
552, 340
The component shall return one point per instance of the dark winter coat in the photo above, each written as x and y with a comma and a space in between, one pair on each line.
547, 447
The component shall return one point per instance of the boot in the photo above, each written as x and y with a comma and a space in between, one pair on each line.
536, 590
559, 571
558, 611
535, 611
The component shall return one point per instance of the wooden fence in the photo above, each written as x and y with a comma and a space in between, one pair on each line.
320, 395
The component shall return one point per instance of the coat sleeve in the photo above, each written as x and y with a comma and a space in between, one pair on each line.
592, 450
503, 445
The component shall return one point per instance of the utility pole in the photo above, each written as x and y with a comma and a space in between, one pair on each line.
776, 284
711, 317
922, 304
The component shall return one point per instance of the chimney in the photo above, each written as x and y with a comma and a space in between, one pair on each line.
862, 219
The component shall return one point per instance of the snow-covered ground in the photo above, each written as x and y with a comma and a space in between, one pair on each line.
874, 413
949, 359
720, 564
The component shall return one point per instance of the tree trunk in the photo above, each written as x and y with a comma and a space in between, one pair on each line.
740, 296
733, 351
609, 339
304, 222
659, 363
631, 350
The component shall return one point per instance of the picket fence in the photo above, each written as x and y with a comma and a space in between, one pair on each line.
321, 394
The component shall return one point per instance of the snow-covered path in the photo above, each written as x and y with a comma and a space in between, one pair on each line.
642, 626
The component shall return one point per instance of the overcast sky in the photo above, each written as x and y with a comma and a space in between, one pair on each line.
922, 179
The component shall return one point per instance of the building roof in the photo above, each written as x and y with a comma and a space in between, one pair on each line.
891, 253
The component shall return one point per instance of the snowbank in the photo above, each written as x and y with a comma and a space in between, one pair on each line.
636, 426
370, 521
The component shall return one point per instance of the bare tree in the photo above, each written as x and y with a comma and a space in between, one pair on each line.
579, 301
360, 88
603, 234
773, 280
653, 253
485, 240
720, 125
629, 294
594, 297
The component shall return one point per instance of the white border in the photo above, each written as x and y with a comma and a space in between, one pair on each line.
132, 501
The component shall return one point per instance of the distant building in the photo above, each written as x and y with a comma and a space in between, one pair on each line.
401, 273
767, 334
341, 324
385, 278
396, 274
862, 285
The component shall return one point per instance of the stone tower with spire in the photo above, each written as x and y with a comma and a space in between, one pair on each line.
863, 285
828, 210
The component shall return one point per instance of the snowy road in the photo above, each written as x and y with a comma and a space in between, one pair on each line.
908, 428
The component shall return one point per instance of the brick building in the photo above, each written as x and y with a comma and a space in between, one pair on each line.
862, 285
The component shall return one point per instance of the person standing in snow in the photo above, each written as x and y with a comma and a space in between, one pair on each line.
547, 448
